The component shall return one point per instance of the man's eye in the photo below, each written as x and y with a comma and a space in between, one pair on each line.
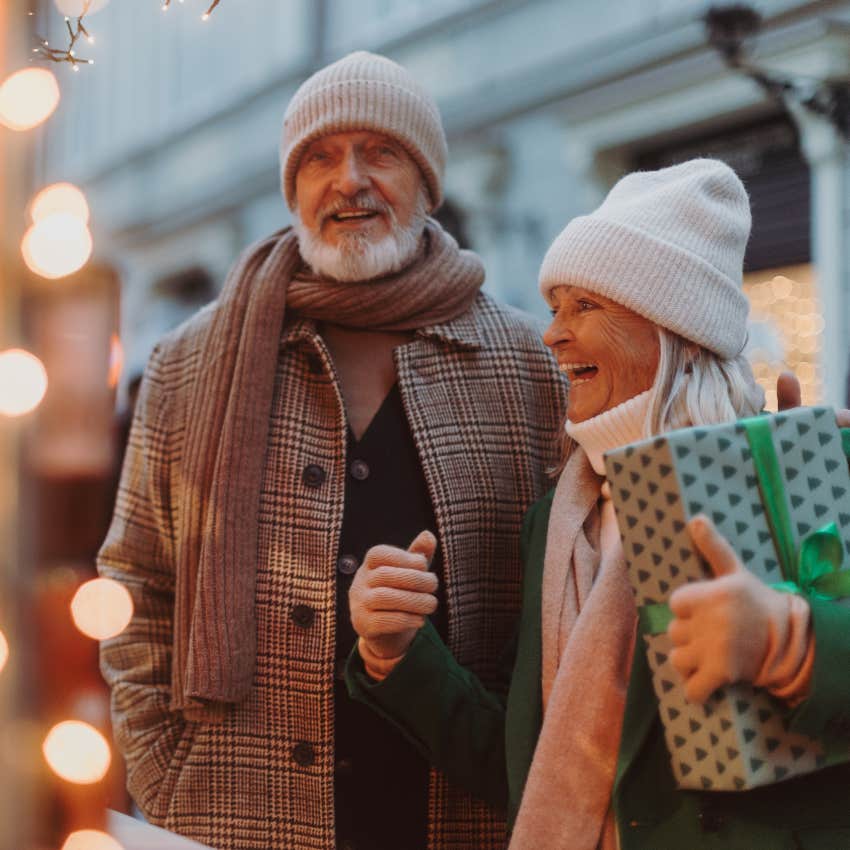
316, 156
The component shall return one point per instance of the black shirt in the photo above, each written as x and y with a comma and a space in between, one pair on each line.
381, 782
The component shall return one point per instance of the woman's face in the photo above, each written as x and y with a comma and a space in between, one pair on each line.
608, 353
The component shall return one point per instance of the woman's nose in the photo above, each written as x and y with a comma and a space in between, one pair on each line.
557, 332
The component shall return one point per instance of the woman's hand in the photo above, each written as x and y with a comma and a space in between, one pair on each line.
733, 627
390, 597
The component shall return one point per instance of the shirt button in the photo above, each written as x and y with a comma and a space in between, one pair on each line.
710, 820
303, 754
314, 475
344, 767
303, 615
347, 565
360, 470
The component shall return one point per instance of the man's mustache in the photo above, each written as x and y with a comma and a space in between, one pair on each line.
362, 200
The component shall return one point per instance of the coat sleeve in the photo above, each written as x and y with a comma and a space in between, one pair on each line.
826, 712
444, 710
139, 552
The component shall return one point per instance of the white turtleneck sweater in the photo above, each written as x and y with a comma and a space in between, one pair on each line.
609, 430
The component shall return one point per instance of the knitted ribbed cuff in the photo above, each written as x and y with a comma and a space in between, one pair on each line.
787, 668
377, 668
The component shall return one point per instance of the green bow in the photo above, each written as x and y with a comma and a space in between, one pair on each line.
817, 571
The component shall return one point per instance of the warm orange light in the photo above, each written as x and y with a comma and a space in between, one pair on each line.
60, 198
4, 651
116, 361
57, 245
23, 382
102, 608
77, 752
27, 98
90, 839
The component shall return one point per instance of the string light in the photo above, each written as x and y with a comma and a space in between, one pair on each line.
4, 651
102, 608
90, 839
166, 4
27, 98
68, 54
77, 752
23, 382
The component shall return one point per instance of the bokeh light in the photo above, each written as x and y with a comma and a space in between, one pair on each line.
77, 752
102, 608
4, 651
116, 361
90, 839
27, 98
75, 8
60, 198
23, 382
57, 245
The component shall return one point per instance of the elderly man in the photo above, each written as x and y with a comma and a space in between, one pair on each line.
350, 386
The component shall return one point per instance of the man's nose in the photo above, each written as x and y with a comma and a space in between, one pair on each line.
351, 176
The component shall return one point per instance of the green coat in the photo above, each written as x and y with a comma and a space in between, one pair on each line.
486, 742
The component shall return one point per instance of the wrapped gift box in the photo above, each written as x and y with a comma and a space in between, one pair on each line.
740, 737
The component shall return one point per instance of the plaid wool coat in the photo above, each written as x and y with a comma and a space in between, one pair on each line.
484, 401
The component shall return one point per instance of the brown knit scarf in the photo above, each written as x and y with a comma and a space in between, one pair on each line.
215, 640
588, 622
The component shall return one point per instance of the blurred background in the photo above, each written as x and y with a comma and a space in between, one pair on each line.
171, 137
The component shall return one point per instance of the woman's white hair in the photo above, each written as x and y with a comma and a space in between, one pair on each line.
695, 386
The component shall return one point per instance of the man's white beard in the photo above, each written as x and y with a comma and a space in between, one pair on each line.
356, 257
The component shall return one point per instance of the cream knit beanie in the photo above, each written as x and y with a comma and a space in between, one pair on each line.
669, 245
364, 91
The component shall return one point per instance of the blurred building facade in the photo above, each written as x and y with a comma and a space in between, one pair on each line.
173, 134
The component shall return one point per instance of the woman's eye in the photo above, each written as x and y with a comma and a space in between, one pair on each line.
585, 305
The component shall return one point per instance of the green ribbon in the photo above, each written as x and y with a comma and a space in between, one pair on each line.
815, 569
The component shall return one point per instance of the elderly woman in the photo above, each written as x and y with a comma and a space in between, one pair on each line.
649, 322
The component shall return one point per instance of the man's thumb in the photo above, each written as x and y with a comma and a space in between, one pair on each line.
424, 544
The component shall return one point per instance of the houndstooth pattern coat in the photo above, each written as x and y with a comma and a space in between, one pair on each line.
484, 401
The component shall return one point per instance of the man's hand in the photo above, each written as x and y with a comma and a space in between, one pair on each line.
725, 627
390, 597
788, 395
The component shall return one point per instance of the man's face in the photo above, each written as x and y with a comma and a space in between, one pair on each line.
356, 184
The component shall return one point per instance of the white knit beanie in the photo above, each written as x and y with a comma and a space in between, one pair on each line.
668, 245
364, 91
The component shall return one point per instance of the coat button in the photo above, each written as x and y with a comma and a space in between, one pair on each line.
303, 615
360, 469
304, 754
314, 475
344, 767
347, 565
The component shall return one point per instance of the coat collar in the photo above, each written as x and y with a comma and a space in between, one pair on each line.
462, 331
